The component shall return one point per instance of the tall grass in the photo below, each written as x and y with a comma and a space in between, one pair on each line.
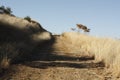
106, 50
73, 43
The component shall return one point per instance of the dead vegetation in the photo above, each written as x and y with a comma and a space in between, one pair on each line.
83, 27
8, 52
17, 40
105, 50
72, 51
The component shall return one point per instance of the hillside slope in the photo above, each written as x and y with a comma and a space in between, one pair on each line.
29, 52
48, 64
18, 37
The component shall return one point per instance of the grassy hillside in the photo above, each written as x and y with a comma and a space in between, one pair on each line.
18, 37
106, 50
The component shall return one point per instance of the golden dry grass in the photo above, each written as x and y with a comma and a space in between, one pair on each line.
105, 50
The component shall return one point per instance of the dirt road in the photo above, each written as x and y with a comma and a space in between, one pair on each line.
58, 68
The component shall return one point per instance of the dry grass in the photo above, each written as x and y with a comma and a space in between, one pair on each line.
7, 53
18, 38
73, 43
105, 50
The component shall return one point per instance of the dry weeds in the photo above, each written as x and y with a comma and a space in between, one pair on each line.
106, 50
7, 53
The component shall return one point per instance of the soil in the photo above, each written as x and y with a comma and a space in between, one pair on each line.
63, 69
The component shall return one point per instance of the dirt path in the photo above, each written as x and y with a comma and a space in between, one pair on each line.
58, 69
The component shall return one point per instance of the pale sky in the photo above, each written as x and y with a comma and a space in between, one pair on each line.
57, 16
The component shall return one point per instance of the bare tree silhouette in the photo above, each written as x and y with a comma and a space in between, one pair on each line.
83, 27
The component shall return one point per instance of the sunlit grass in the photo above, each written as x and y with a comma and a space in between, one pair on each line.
106, 50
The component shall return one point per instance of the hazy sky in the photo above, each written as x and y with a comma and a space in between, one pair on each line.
57, 16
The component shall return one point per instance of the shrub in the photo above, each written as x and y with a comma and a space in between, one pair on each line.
6, 10
27, 18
